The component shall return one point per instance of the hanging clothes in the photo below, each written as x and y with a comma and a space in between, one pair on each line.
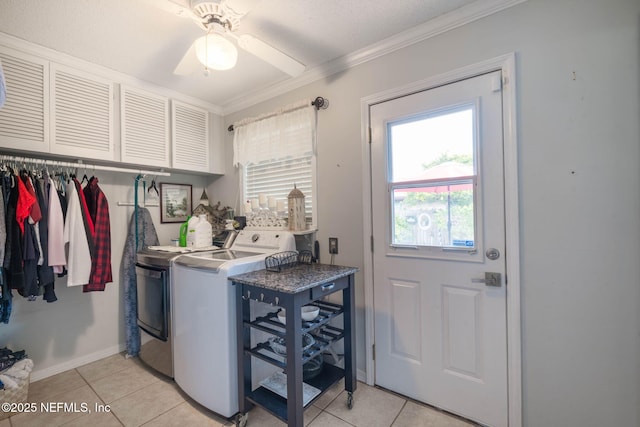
142, 224
75, 236
98, 208
31, 249
35, 214
24, 203
46, 279
13, 262
3, 223
30, 256
86, 218
57, 259
5, 291
6, 299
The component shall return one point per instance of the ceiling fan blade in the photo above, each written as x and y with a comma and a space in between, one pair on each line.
189, 62
179, 8
270, 54
241, 7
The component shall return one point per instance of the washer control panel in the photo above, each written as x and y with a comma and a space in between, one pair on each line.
271, 240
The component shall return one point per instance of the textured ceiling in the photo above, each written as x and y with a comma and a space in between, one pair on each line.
138, 38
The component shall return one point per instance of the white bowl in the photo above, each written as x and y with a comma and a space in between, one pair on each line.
279, 345
309, 312
281, 317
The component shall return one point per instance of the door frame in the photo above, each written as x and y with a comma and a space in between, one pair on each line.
507, 64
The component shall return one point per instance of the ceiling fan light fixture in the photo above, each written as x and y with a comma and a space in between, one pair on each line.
216, 52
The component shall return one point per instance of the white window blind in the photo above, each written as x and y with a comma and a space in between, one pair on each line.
276, 151
276, 178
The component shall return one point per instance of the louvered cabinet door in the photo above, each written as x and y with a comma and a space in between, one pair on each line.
24, 118
190, 137
144, 127
81, 114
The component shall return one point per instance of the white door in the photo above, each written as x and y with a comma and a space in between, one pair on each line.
438, 227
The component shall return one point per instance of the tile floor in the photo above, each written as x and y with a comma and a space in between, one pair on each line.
138, 397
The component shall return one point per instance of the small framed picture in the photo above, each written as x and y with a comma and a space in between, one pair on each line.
175, 202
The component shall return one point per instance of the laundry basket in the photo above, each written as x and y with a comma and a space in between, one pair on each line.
14, 395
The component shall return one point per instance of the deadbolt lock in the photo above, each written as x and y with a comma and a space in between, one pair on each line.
493, 254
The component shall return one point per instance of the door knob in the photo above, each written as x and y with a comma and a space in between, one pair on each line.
490, 279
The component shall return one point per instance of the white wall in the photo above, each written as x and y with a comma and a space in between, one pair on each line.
82, 327
579, 109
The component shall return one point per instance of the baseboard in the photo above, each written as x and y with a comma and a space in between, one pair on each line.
74, 363
361, 375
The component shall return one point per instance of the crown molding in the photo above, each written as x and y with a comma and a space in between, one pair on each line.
454, 19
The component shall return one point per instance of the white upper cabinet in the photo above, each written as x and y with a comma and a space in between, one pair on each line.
190, 136
144, 127
24, 118
64, 109
81, 114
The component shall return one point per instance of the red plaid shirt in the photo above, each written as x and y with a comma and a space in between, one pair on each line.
101, 261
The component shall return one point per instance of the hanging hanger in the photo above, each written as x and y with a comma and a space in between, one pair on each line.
84, 177
13, 177
153, 187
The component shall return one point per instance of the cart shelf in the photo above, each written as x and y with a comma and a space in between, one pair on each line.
277, 405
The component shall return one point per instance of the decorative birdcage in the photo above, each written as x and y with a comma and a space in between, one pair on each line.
297, 220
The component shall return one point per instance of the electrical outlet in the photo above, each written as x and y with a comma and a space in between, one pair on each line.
333, 245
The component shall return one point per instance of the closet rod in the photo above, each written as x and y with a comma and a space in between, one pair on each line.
79, 165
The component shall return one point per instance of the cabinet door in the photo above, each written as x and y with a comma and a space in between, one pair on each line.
144, 127
82, 114
190, 137
24, 118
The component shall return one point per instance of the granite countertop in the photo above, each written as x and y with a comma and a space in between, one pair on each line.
295, 279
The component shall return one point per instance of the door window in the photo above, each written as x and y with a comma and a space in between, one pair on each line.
432, 181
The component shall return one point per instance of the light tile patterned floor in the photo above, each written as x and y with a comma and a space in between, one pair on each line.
138, 397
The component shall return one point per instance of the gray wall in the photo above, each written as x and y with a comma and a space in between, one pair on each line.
578, 100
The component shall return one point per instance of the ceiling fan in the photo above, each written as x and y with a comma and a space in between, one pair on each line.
220, 19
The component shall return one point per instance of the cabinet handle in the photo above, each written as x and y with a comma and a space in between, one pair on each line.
327, 287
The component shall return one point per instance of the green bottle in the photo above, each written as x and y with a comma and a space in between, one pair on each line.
183, 232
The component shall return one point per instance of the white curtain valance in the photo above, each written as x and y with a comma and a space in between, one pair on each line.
288, 132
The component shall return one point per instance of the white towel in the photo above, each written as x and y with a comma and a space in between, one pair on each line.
20, 370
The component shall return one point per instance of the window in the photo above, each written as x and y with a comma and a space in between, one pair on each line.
276, 178
276, 152
432, 179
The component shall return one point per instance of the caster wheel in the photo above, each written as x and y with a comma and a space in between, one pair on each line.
241, 420
350, 400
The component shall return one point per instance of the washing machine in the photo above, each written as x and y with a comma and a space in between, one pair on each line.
204, 316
